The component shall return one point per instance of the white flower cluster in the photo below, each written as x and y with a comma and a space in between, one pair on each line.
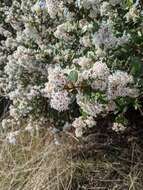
60, 101
93, 6
101, 77
54, 89
118, 85
80, 124
92, 108
83, 62
105, 39
54, 7
118, 127
56, 80
63, 30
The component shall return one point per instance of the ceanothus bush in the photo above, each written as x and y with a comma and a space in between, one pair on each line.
70, 61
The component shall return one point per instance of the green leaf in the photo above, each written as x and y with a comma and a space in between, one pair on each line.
137, 104
121, 119
128, 3
84, 114
73, 76
136, 66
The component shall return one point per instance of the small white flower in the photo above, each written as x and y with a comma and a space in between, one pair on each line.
57, 141
79, 123
90, 121
133, 14
115, 2
40, 5
93, 6
100, 52
105, 8
11, 137
29, 128
4, 123
67, 126
83, 62
86, 41
118, 127
104, 38
55, 7
100, 70
79, 132
79, 126
60, 101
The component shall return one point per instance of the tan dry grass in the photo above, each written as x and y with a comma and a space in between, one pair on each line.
37, 164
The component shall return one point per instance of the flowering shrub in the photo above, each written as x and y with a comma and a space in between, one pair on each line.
71, 61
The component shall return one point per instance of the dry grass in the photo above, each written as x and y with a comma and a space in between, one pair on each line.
37, 164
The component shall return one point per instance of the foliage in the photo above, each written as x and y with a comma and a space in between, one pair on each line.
70, 62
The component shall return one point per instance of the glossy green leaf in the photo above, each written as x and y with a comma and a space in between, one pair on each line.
73, 76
